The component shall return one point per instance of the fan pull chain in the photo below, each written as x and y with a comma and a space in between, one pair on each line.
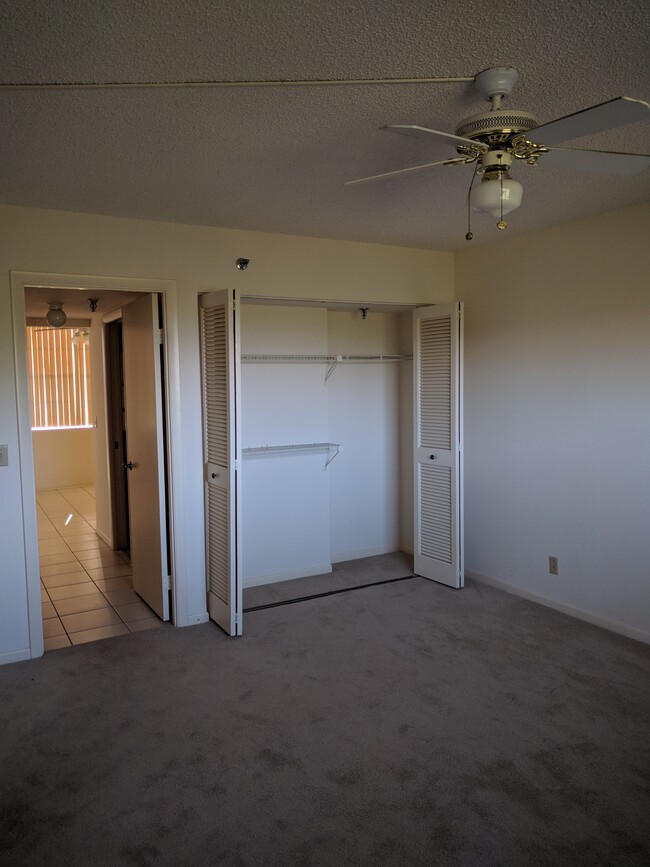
469, 236
502, 223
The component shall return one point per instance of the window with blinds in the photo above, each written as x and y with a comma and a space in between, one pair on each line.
59, 372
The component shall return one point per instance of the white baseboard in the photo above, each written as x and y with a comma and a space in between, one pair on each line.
320, 569
105, 538
571, 610
15, 656
342, 556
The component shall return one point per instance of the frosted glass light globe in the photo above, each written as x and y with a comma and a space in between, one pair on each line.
486, 197
55, 316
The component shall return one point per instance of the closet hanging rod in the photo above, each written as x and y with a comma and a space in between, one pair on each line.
321, 359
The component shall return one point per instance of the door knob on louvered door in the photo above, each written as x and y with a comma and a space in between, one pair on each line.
128, 466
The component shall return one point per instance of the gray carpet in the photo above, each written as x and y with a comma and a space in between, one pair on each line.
350, 573
402, 724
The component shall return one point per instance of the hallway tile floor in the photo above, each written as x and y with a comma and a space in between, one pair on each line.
86, 588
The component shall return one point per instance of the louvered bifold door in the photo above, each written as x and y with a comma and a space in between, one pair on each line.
438, 524
220, 378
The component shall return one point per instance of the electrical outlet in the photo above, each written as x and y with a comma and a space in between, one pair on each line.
4, 456
552, 565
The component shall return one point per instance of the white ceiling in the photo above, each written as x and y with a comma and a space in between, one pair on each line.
274, 159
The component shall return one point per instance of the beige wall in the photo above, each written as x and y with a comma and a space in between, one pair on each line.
63, 458
199, 259
557, 414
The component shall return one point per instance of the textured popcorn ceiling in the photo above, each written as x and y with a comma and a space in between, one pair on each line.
274, 159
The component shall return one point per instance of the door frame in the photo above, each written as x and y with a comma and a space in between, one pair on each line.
167, 289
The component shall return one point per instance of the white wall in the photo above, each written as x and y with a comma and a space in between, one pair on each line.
364, 412
285, 497
63, 458
557, 415
199, 259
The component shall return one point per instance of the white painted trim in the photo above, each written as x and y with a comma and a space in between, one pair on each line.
167, 288
104, 537
342, 556
321, 569
570, 610
16, 656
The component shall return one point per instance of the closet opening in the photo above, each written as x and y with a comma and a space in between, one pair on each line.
331, 448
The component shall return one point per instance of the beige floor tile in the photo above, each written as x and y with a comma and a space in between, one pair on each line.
54, 559
52, 627
78, 604
60, 568
78, 530
44, 596
67, 578
149, 623
72, 527
105, 584
86, 544
75, 538
121, 597
134, 611
90, 489
109, 572
48, 610
101, 560
57, 642
47, 534
68, 519
98, 633
52, 546
89, 620
68, 591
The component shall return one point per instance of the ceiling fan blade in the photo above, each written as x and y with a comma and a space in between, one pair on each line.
604, 162
451, 162
607, 115
425, 134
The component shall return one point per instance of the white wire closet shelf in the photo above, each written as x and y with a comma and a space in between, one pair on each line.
296, 447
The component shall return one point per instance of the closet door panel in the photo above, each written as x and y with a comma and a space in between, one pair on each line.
437, 355
219, 375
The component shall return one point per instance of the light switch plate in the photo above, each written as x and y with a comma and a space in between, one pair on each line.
4, 456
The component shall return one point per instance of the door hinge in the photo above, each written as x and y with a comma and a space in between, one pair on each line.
161, 336
167, 582
238, 619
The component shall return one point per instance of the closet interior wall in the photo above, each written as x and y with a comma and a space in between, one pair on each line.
305, 509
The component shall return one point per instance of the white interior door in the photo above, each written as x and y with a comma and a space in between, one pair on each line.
141, 335
220, 353
437, 368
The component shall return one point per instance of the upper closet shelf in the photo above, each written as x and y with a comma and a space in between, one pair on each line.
332, 360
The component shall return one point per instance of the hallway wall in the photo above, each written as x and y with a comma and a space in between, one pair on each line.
63, 458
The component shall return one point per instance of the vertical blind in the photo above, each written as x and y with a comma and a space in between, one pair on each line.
59, 373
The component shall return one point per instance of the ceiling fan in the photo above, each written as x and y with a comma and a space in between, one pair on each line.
494, 140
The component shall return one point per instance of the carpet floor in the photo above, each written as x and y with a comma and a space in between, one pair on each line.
402, 724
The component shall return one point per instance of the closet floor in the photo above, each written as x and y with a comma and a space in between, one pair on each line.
86, 589
344, 576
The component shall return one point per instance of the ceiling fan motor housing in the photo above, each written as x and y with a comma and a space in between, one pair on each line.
496, 127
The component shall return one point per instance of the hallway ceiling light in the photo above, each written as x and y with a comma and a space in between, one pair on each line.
55, 315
